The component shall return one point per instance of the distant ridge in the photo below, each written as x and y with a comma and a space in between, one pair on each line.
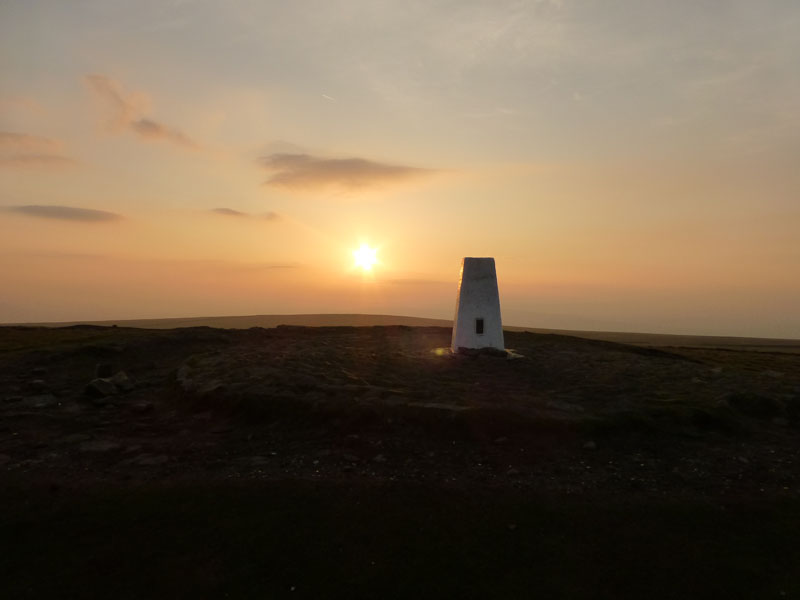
366, 320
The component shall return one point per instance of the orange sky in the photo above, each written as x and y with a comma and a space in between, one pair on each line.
630, 165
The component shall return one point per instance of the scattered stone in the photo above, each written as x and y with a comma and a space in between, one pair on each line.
780, 421
100, 388
76, 438
590, 445
41, 401
37, 385
475, 352
512, 472
754, 405
100, 446
4, 459
380, 458
148, 460
39, 372
122, 382
501, 440
11, 399
439, 406
143, 407
351, 458
564, 406
103, 370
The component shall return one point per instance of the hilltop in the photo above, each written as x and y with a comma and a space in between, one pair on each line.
575, 446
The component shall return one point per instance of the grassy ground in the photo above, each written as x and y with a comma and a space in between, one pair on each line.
302, 539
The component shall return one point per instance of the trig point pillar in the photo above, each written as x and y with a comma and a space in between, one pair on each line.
477, 323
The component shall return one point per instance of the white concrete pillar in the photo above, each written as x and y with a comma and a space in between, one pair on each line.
477, 322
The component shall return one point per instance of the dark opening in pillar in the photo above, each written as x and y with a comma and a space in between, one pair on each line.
479, 326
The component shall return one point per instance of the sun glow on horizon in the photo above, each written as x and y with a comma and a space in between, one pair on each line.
366, 257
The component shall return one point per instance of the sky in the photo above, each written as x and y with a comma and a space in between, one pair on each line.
631, 165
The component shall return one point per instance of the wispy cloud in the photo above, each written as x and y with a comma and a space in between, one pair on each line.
65, 213
25, 142
37, 160
128, 113
305, 171
26, 150
230, 212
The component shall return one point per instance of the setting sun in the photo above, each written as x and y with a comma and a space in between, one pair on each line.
365, 257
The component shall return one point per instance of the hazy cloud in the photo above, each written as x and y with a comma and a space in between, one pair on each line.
230, 212
415, 282
128, 112
65, 213
305, 171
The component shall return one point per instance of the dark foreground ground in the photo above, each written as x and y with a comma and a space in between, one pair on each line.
358, 463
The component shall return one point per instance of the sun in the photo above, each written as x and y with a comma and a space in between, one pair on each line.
366, 257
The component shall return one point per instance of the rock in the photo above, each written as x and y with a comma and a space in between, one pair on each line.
10, 399
103, 370
501, 440
351, 458
99, 446
4, 459
100, 388
122, 382
76, 438
40, 401
590, 445
512, 472
380, 458
38, 372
